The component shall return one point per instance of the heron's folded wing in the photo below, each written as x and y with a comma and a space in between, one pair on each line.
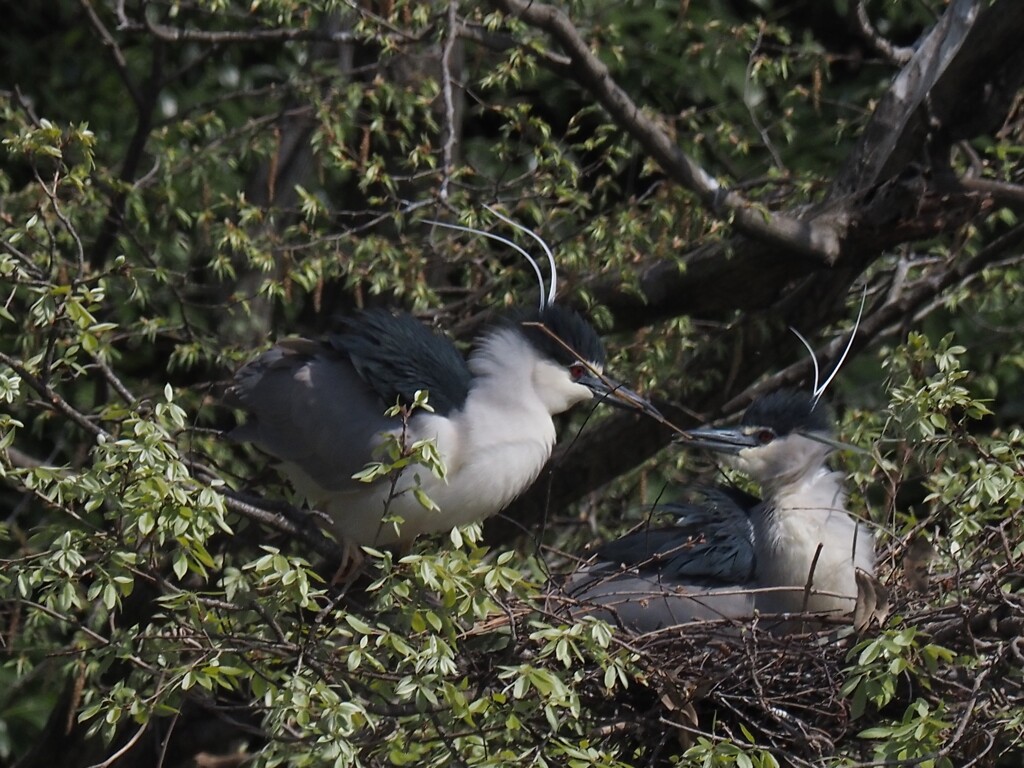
710, 541
647, 601
307, 405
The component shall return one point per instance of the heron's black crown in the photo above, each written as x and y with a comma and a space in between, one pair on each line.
569, 326
788, 410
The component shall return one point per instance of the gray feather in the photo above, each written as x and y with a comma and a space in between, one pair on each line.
320, 405
710, 542
645, 602
695, 569
307, 405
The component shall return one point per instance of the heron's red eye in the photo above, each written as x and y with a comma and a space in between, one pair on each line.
577, 371
765, 436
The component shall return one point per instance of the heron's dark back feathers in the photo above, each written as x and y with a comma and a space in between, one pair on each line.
320, 405
396, 355
710, 542
307, 405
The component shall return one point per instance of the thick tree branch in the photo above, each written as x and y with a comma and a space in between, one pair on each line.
582, 467
895, 187
959, 83
817, 239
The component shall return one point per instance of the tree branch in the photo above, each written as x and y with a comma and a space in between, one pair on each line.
120, 63
960, 81
893, 53
278, 35
817, 239
451, 36
52, 399
132, 159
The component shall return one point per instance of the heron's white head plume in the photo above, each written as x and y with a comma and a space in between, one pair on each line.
547, 294
819, 389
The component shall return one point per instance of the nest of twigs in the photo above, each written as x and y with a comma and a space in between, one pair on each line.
784, 693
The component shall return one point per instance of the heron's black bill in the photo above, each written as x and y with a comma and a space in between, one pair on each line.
720, 439
613, 393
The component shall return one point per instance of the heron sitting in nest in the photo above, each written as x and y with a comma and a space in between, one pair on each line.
733, 555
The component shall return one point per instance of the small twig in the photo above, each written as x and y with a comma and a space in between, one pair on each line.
448, 148
502, 43
26, 263
895, 54
747, 102
810, 578
120, 62
167, 736
272, 35
309, 534
113, 379
80, 249
123, 750
965, 717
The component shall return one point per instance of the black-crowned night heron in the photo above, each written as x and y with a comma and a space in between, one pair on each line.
795, 550
318, 407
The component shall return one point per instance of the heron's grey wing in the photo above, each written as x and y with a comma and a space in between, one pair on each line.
308, 405
712, 541
645, 601
397, 355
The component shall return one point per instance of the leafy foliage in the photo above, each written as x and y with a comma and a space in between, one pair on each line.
185, 180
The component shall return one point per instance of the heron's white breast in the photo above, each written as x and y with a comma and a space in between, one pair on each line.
806, 514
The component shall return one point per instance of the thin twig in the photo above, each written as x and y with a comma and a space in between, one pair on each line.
448, 148
52, 398
120, 62
748, 102
125, 749
273, 35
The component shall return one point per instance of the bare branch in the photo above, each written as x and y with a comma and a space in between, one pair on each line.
26, 262
748, 95
68, 226
448, 150
894, 53
118, 754
959, 82
1001, 191
501, 43
133, 157
120, 63
276, 35
54, 400
309, 534
113, 379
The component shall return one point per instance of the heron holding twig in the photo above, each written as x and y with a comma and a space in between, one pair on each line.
318, 408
